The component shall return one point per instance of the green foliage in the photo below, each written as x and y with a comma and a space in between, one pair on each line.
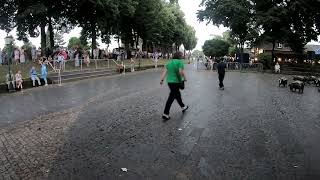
216, 48
58, 40
294, 22
161, 24
7, 10
266, 60
235, 14
233, 50
197, 53
190, 41
74, 42
27, 46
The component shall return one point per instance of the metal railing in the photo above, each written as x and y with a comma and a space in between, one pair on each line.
231, 66
59, 67
251, 67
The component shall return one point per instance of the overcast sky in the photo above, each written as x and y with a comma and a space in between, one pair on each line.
190, 8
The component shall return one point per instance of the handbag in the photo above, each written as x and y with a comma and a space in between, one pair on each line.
181, 82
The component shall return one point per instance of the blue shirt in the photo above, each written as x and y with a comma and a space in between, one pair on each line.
33, 72
44, 70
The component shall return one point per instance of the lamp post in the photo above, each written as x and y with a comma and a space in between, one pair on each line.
8, 42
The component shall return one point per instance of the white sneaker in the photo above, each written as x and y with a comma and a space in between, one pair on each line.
184, 109
165, 117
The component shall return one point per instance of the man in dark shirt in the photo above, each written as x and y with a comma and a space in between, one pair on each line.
221, 71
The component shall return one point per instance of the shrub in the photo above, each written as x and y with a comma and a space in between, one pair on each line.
266, 60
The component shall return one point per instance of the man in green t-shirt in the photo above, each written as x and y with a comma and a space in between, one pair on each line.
175, 76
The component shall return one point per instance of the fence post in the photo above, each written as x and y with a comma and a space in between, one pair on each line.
59, 77
81, 64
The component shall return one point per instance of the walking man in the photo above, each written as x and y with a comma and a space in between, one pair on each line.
175, 78
221, 71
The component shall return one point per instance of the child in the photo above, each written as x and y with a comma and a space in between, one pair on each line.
120, 68
19, 80
10, 80
44, 71
132, 64
34, 76
86, 58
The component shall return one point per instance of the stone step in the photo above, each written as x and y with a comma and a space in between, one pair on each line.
87, 71
85, 75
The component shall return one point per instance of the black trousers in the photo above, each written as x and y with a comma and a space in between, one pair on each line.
221, 78
174, 95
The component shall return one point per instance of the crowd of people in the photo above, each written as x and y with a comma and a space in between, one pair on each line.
57, 58
16, 80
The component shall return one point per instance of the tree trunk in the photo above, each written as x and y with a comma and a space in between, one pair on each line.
272, 52
242, 50
93, 38
43, 38
51, 34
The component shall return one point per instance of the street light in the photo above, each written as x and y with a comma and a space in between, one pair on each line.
8, 42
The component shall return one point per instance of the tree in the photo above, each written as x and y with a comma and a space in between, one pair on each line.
235, 14
190, 41
74, 42
197, 53
292, 22
215, 48
7, 11
270, 17
94, 17
58, 40
302, 27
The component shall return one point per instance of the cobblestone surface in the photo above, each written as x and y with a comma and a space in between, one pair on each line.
91, 129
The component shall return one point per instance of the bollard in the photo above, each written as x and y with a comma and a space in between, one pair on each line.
96, 63
108, 63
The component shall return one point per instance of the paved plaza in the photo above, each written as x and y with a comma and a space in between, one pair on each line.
91, 129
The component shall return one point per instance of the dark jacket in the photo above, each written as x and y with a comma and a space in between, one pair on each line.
222, 68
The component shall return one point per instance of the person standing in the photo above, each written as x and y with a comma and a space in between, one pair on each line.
86, 58
34, 54
277, 68
22, 56
221, 72
132, 64
16, 56
44, 71
175, 77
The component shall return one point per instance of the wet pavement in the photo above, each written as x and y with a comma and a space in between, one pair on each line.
92, 128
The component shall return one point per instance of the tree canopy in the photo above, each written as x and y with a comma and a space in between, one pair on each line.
294, 22
160, 24
216, 48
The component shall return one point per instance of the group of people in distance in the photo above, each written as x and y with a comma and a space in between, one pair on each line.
17, 80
